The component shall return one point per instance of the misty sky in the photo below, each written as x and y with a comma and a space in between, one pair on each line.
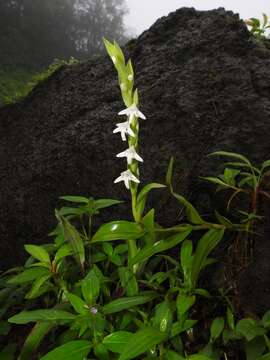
143, 13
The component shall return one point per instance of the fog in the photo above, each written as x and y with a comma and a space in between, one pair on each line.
143, 13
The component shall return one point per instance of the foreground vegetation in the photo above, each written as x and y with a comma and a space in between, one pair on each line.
133, 289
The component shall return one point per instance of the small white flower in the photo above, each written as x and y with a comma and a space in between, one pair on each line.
127, 176
130, 154
132, 112
114, 59
124, 128
130, 77
93, 310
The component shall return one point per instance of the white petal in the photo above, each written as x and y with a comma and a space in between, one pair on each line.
120, 178
126, 181
123, 153
123, 135
138, 158
124, 112
141, 115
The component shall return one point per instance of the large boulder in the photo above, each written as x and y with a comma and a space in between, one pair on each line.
204, 86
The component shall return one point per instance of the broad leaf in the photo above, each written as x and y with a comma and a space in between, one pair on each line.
160, 246
73, 350
116, 341
26, 317
76, 199
73, 238
38, 252
216, 329
104, 203
141, 342
118, 230
206, 244
28, 275
127, 303
90, 287
249, 328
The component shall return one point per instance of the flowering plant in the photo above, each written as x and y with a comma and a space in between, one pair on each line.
116, 292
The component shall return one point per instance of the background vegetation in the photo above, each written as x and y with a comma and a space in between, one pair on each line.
33, 33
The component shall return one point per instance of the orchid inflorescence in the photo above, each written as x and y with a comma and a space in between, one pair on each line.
130, 128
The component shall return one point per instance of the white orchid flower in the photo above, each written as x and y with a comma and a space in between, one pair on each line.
132, 112
125, 129
127, 176
130, 154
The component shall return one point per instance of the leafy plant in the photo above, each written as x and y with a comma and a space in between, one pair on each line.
119, 291
258, 28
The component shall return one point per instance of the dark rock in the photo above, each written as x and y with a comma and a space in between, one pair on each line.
204, 86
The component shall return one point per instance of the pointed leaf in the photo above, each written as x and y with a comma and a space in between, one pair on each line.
38, 252
160, 246
141, 342
118, 230
127, 303
25, 317
115, 342
73, 350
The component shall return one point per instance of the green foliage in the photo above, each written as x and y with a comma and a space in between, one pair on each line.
130, 289
17, 83
258, 28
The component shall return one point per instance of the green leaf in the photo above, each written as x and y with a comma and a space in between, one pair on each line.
75, 199
73, 238
118, 230
116, 341
218, 181
169, 173
192, 214
125, 303
38, 252
70, 211
64, 251
35, 290
249, 328
142, 197
265, 164
141, 342
34, 339
186, 257
255, 348
266, 319
77, 303
90, 287
25, 317
216, 329
128, 281
163, 316
230, 319
160, 246
107, 248
179, 327
206, 244
73, 350
104, 203
232, 155
184, 303
172, 355
28, 275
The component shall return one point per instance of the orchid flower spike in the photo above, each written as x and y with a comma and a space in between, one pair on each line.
132, 112
125, 129
130, 154
127, 176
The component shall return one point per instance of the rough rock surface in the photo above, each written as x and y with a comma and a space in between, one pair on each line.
204, 85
